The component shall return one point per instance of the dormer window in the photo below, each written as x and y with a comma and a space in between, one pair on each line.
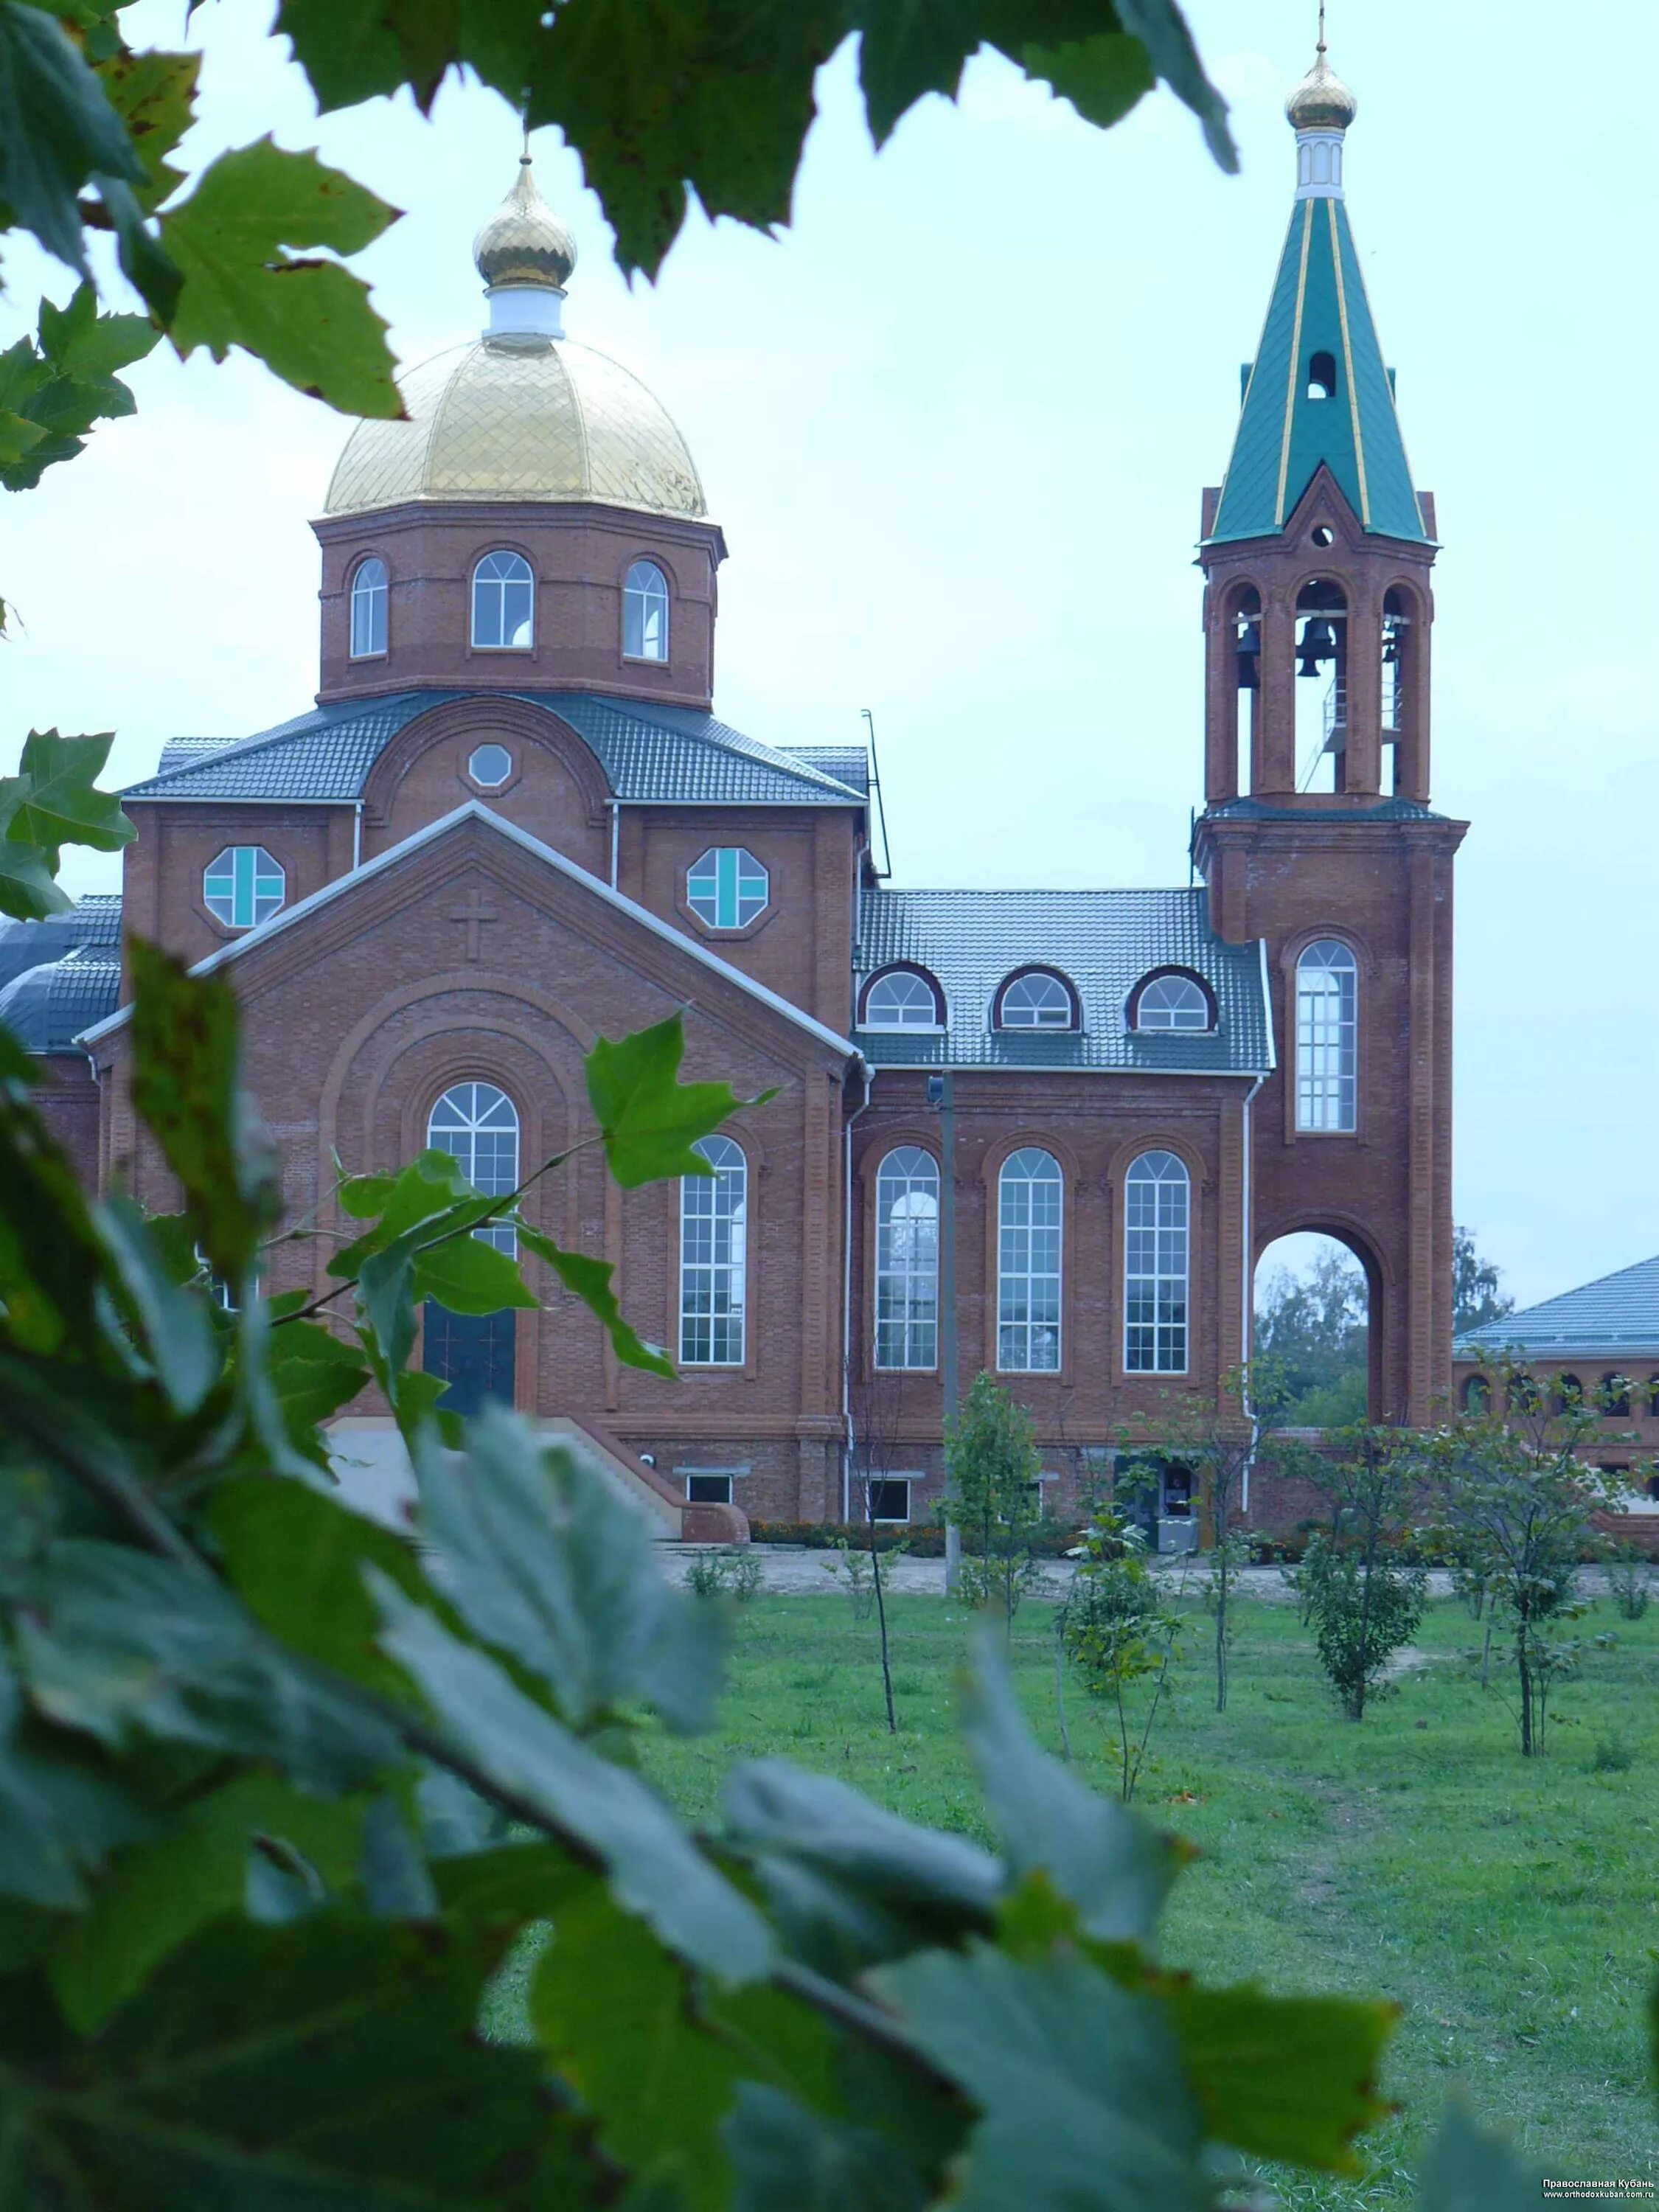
903, 998
1171, 1001
503, 603
369, 597
1035, 999
645, 613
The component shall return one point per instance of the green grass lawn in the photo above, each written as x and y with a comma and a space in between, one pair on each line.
1510, 1907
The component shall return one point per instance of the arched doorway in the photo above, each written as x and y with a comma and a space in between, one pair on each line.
1313, 1311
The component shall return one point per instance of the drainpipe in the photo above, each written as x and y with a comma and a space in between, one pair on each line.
1247, 1300
846, 1313
615, 822
356, 833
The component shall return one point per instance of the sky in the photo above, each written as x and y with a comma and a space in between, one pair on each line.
956, 421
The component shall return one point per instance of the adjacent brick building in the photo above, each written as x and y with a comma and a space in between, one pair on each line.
512, 821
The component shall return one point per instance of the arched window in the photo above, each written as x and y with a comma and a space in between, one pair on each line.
645, 613
1477, 1394
1173, 1002
1524, 1395
1568, 1394
903, 999
368, 609
714, 1256
1157, 1231
906, 1260
1327, 1038
477, 1126
503, 602
1321, 376
243, 886
727, 887
1651, 1393
1614, 1397
1037, 999
1028, 1192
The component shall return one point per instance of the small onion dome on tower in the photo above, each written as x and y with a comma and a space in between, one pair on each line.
524, 242
523, 414
1322, 101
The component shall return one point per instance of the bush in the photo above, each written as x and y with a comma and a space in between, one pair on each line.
1363, 1612
924, 1540
725, 1574
1612, 1754
1628, 1579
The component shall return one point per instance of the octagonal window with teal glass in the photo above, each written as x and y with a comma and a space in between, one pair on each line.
727, 887
244, 886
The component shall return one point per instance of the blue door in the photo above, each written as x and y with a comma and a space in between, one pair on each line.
472, 1353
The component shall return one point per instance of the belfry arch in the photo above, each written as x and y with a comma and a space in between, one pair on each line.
1319, 1305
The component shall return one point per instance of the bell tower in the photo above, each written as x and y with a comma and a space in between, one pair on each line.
1317, 837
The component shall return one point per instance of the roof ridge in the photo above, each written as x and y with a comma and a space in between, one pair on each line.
649, 710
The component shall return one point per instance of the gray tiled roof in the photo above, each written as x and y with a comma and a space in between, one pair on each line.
847, 764
1103, 941
73, 978
1618, 1313
671, 756
96, 920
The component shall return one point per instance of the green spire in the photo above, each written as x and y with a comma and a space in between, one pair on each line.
1318, 391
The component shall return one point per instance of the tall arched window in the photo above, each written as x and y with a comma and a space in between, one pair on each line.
645, 613
1477, 1394
1156, 1235
368, 609
713, 1240
906, 1260
503, 602
477, 1126
1327, 1038
1029, 1191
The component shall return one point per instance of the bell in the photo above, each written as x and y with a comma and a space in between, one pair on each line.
1318, 643
1390, 647
1250, 657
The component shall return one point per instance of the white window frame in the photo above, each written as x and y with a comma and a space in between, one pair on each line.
1032, 1015
907, 1264
869, 1482
893, 977
645, 613
1157, 1252
1031, 1297
494, 574
257, 886
1194, 998
477, 1123
370, 585
714, 1258
727, 888
488, 782
1326, 1038
726, 1474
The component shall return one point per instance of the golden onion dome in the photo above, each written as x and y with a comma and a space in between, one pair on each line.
524, 242
1322, 101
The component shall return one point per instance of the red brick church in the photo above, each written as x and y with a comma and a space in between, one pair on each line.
512, 820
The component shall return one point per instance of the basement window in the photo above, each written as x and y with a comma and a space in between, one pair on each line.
890, 1500
1321, 376
713, 1487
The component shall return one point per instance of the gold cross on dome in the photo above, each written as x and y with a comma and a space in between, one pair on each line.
476, 914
